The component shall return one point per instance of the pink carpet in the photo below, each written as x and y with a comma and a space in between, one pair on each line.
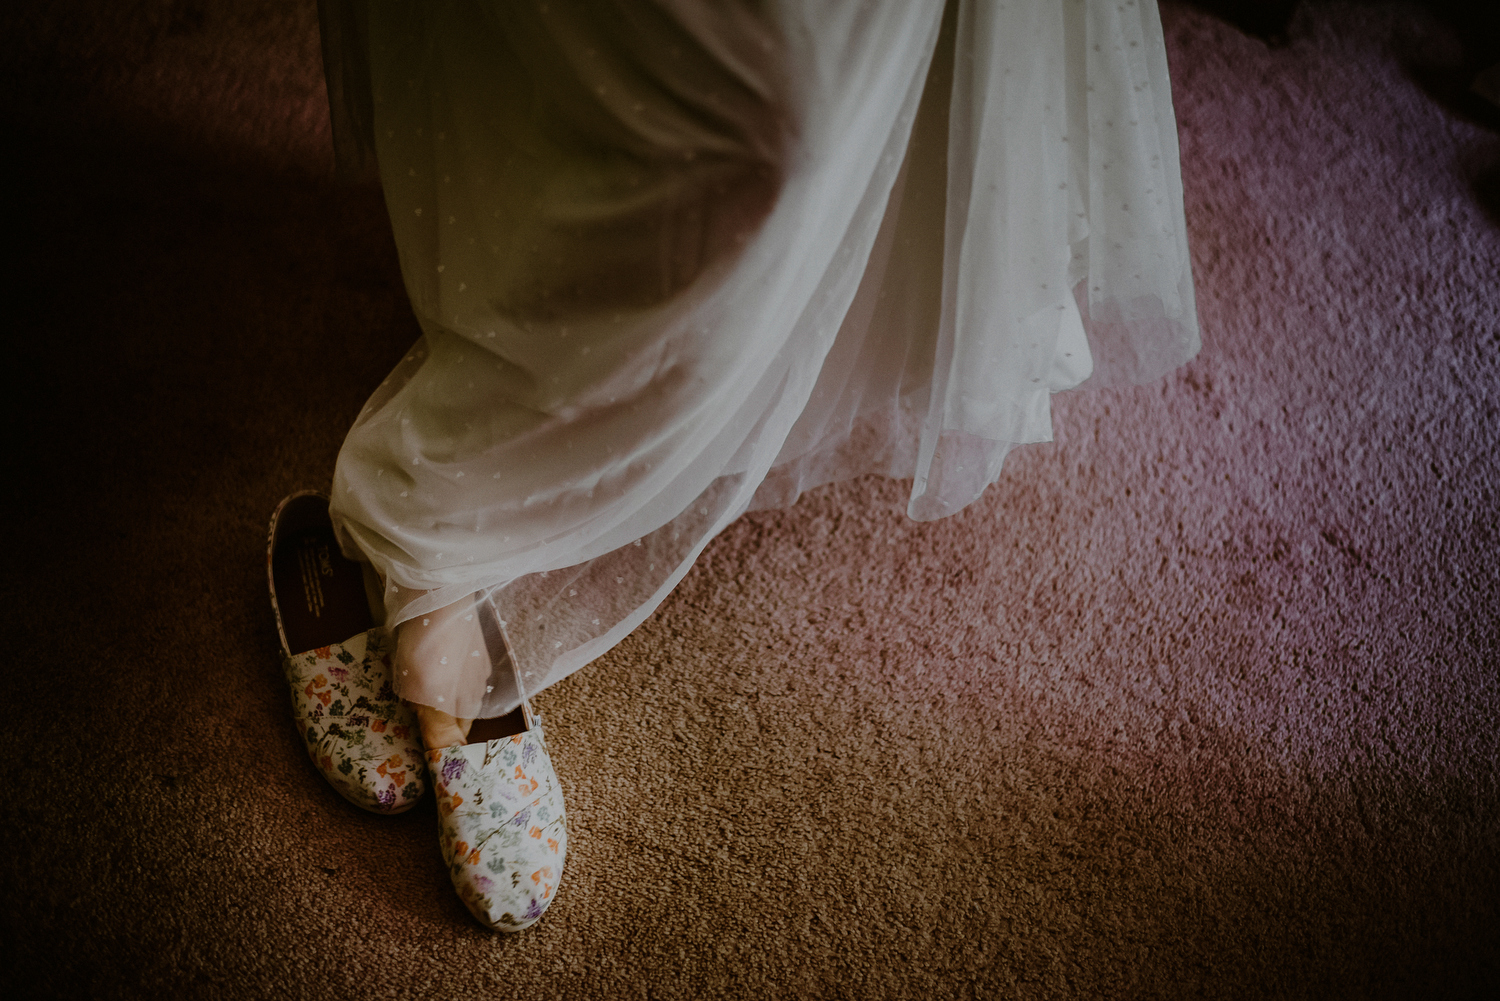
1200, 700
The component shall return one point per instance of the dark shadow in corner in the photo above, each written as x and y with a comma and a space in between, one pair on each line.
1444, 71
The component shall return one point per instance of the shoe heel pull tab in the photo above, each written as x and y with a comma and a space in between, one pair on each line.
494, 621
532, 719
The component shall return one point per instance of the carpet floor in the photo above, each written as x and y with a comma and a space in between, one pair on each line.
1200, 700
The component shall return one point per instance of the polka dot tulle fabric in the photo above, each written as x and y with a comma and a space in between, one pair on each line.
673, 261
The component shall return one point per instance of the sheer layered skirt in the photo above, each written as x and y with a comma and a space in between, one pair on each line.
673, 261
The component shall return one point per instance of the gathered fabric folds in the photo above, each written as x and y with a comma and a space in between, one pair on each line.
673, 261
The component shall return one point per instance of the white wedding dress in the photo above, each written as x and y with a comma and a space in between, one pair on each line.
674, 260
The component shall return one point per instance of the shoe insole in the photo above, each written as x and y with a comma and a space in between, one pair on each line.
498, 727
321, 594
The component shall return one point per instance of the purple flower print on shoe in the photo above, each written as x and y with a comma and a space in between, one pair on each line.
502, 830
362, 738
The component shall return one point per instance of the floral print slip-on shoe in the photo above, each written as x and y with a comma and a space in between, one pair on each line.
362, 737
502, 830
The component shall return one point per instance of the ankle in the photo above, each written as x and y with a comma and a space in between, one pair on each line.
439, 729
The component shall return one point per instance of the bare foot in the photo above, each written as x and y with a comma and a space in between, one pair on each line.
442, 664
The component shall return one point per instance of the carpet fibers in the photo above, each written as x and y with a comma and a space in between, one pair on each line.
1200, 700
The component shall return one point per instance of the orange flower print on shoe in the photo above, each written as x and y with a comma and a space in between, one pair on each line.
502, 838
368, 764
356, 731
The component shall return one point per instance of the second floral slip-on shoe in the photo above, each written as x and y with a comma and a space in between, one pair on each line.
502, 830
362, 737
